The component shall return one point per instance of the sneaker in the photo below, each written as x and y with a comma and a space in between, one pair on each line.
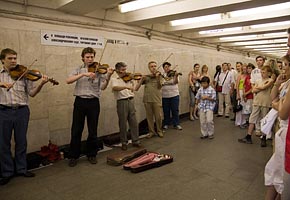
92, 160
165, 127
203, 137
211, 137
72, 162
263, 141
178, 127
191, 118
247, 140
195, 117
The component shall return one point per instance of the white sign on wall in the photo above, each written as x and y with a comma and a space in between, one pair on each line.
71, 39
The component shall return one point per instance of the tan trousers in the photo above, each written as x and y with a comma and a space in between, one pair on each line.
153, 111
224, 98
127, 113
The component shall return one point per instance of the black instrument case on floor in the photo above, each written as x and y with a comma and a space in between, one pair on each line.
147, 161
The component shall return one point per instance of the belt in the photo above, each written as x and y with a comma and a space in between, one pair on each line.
129, 98
3, 107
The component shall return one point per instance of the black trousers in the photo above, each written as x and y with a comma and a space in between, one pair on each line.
90, 109
13, 121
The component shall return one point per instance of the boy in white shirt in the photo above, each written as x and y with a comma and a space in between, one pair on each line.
206, 97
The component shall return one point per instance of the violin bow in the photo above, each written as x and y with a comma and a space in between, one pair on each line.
22, 75
164, 61
103, 52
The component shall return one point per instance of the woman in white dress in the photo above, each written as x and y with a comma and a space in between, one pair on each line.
274, 169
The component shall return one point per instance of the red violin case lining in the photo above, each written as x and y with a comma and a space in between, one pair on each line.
148, 161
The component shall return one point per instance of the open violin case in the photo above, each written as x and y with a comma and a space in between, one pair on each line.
122, 157
147, 161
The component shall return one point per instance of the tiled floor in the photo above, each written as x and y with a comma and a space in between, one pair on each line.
220, 169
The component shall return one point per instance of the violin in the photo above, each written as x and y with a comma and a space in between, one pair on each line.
131, 76
100, 68
171, 73
20, 71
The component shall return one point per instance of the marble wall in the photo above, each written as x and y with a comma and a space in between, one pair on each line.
51, 109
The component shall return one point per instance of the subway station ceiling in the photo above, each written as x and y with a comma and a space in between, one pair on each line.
249, 26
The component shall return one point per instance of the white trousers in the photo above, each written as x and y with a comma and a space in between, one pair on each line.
206, 122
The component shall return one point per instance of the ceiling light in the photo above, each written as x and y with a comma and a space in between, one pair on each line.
284, 33
269, 49
139, 4
262, 42
221, 30
195, 20
238, 37
266, 45
262, 9
270, 24
260, 36
275, 52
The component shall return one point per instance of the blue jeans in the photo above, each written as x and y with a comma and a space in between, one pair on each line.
13, 121
171, 107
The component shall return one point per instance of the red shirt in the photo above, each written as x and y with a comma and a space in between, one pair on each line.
248, 86
287, 150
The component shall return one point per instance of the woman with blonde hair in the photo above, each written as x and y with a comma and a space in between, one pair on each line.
194, 78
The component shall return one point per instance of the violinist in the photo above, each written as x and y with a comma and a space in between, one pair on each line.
14, 117
124, 94
170, 98
87, 93
152, 99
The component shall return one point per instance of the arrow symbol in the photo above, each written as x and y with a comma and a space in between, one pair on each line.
45, 37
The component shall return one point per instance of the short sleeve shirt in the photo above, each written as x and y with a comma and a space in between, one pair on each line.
18, 94
205, 105
151, 91
123, 94
86, 87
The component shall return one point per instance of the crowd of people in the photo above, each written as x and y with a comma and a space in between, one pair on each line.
258, 100
255, 98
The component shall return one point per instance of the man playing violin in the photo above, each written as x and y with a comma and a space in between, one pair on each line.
152, 99
124, 94
14, 117
87, 93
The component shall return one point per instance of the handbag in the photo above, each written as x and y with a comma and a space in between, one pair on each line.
247, 108
220, 88
238, 107
268, 121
